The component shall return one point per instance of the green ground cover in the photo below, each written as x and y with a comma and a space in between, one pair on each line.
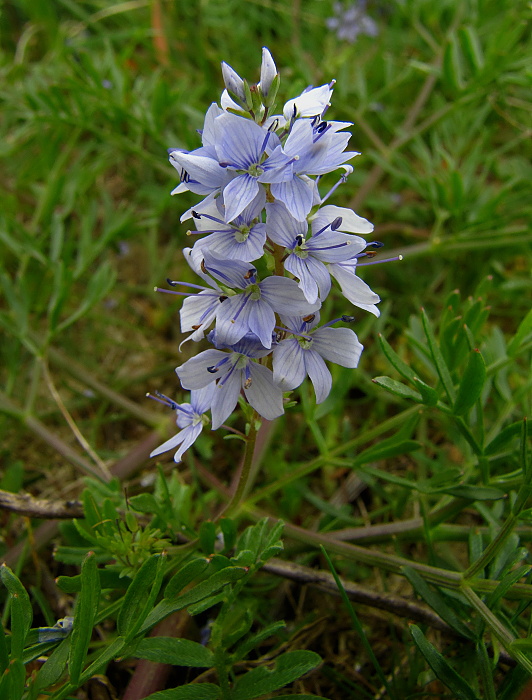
403, 566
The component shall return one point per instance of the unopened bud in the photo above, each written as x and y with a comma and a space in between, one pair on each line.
268, 72
234, 84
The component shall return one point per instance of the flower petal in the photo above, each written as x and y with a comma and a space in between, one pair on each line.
338, 345
288, 364
193, 374
319, 375
225, 398
238, 194
262, 394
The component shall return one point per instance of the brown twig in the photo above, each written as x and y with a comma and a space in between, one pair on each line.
26, 504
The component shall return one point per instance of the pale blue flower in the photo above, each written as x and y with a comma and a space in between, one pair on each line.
304, 350
229, 373
353, 288
241, 239
190, 418
315, 148
307, 255
253, 308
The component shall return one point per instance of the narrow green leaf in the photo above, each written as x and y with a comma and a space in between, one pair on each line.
357, 626
471, 47
474, 493
4, 655
144, 503
207, 536
443, 670
188, 573
471, 385
288, 668
177, 652
206, 603
523, 331
140, 596
390, 447
452, 68
202, 590
193, 691
255, 640
397, 388
441, 367
21, 611
394, 359
51, 671
84, 616
437, 602
13, 681
505, 585
501, 441
229, 531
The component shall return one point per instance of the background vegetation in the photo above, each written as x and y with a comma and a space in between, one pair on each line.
413, 476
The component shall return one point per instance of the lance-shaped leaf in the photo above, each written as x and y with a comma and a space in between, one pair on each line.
441, 366
84, 616
471, 385
444, 671
437, 603
196, 691
397, 388
288, 668
21, 612
190, 571
140, 596
177, 652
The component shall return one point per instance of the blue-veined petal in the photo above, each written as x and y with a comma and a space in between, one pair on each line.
297, 195
194, 373
238, 194
281, 226
284, 296
288, 364
204, 170
338, 345
201, 399
225, 397
319, 375
262, 394
351, 222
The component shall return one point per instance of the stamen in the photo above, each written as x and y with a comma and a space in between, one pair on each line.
241, 308
214, 368
348, 170
299, 240
162, 399
265, 142
376, 262
315, 235
305, 336
174, 283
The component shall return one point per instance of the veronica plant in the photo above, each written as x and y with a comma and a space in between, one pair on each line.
267, 251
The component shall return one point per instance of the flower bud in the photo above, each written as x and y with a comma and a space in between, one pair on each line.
268, 71
234, 84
